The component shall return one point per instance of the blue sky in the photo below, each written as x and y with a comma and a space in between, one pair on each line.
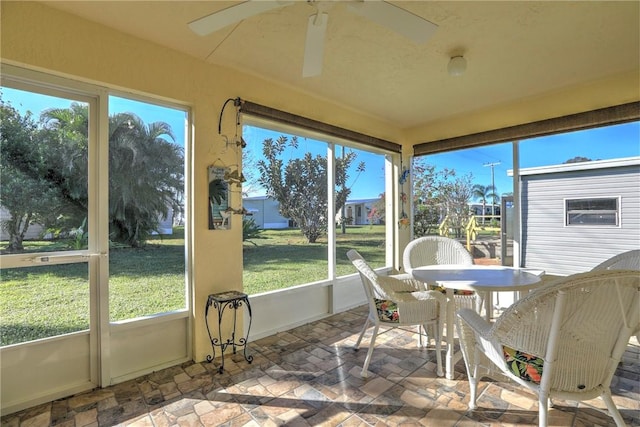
36, 103
597, 144
366, 185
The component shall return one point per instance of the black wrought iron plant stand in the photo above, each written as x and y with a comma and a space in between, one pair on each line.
220, 301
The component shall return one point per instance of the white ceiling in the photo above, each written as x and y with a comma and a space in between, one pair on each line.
514, 49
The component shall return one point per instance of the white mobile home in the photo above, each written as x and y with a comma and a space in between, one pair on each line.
265, 212
576, 215
358, 211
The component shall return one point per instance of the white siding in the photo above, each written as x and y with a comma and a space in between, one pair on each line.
265, 212
34, 232
550, 245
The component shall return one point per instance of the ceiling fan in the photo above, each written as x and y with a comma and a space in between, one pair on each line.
395, 18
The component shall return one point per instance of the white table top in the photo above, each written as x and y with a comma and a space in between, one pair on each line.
479, 277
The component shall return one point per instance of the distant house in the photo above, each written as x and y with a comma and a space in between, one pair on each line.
576, 215
358, 211
34, 232
165, 227
489, 209
266, 214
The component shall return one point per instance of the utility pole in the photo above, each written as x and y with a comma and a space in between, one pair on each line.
493, 187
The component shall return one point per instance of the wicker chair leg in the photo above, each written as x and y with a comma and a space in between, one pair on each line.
364, 372
473, 392
613, 410
543, 410
364, 329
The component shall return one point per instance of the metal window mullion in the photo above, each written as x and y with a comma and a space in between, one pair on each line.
99, 211
331, 222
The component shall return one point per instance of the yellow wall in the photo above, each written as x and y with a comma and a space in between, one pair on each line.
40, 37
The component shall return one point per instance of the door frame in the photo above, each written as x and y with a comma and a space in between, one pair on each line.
116, 351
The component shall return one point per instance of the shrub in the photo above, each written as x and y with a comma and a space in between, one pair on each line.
250, 230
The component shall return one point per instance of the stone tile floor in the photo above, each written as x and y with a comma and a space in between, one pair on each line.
310, 376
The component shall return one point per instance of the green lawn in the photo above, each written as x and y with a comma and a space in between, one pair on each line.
38, 302
283, 258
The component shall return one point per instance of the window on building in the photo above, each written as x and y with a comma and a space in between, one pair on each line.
601, 211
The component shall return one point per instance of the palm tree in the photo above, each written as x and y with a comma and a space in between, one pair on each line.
65, 137
49, 162
484, 193
145, 176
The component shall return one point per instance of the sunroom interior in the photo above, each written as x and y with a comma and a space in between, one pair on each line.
532, 69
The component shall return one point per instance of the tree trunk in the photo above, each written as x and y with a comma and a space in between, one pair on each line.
17, 228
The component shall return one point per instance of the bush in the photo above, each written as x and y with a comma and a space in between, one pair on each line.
250, 230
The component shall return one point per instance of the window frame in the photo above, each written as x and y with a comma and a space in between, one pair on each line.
568, 212
392, 159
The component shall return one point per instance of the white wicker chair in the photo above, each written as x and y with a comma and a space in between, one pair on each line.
397, 303
434, 250
629, 260
575, 329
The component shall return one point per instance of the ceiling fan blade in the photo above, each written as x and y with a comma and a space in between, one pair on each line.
218, 20
314, 44
395, 18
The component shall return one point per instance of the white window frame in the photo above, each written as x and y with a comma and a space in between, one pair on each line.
568, 212
391, 160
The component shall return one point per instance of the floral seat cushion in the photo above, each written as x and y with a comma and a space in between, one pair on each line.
455, 291
387, 311
523, 365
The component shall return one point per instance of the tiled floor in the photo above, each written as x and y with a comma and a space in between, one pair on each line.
310, 376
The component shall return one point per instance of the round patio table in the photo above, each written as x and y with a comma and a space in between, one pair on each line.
478, 278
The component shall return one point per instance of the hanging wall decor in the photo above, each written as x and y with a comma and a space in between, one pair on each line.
403, 221
219, 212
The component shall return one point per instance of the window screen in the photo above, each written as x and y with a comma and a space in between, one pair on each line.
602, 211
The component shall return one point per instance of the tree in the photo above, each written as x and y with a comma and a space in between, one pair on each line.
456, 194
578, 159
24, 193
378, 210
438, 194
249, 169
341, 180
146, 173
484, 193
65, 137
300, 185
44, 173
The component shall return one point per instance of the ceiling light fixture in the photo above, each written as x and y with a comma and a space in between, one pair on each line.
457, 65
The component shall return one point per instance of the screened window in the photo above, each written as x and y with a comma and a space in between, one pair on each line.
601, 211
288, 228
146, 198
44, 163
